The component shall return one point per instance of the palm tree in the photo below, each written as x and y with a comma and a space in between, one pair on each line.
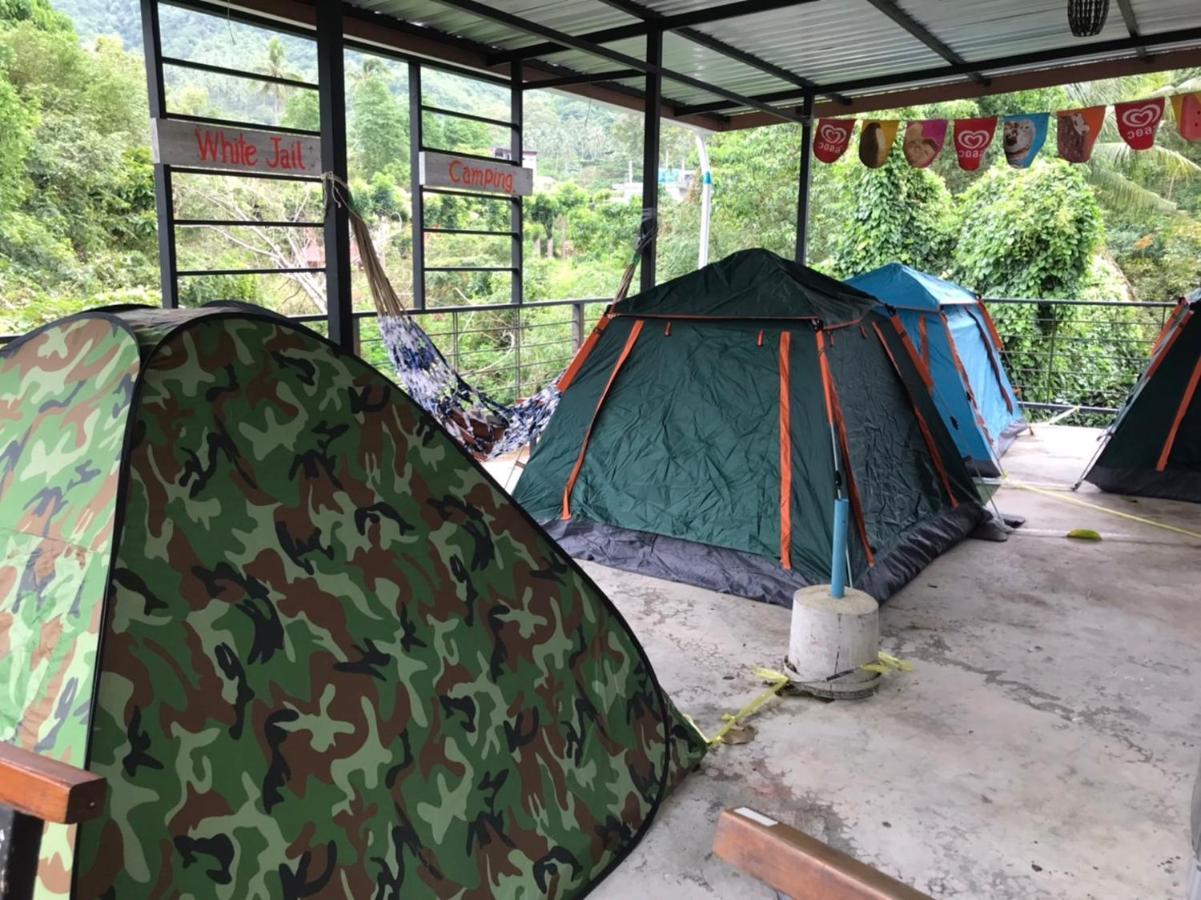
276, 66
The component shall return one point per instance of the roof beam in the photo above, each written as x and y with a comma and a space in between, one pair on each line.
1131, 24
582, 78
633, 8
517, 22
1098, 48
666, 23
1002, 84
923, 34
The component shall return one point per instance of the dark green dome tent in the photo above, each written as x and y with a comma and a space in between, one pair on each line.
696, 437
1153, 447
314, 649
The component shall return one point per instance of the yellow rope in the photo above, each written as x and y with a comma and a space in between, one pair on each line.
777, 681
1055, 495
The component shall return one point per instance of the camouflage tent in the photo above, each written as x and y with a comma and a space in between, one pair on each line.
312, 647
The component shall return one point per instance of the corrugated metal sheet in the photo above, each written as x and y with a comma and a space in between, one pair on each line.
828, 41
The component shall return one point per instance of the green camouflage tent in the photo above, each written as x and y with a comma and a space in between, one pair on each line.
696, 438
312, 647
1153, 447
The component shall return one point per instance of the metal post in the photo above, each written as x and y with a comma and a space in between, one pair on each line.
164, 203
331, 80
19, 859
415, 141
577, 326
805, 181
517, 113
650, 157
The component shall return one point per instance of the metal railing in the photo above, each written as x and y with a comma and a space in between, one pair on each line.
1076, 357
1064, 357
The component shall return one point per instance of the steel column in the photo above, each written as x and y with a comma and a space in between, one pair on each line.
415, 143
331, 78
516, 217
164, 203
805, 182
650, 159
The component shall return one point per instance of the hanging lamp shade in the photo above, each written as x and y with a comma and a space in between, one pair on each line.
1087, 17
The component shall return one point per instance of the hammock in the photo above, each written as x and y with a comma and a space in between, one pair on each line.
483, 426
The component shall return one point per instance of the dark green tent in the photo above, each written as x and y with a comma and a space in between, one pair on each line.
1153, 447
695, 439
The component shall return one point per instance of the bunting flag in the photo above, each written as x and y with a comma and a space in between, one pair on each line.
1138, 122
1078, 130
924, 141
1023, 136
1187, 108
832, 138
876, 140
973, 137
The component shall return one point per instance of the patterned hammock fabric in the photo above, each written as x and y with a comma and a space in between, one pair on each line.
485, 428
482, 426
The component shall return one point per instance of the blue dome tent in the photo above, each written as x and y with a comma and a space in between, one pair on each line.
953, 333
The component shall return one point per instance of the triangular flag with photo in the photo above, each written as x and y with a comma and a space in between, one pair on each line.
1187, 108
1023, 136
924, 141
876, 140
1078, 130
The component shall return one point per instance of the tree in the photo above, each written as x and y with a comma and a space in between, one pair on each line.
275, 65
899, 214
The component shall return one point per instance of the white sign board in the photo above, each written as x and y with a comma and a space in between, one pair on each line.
471, 174
192, 144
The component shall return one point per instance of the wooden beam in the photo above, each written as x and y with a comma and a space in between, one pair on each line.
798, 865
1023, 81
47, 789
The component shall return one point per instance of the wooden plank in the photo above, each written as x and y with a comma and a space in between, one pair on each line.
48, 789
798, 865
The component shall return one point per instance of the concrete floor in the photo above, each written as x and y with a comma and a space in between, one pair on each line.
1044, 745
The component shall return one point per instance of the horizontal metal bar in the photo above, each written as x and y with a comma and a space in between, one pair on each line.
479, 231
1099, 410
488, 159
237, 173
442, 111
237, 73
227, 12
582, 78
1125, 304
251, 126
204, 273
234, 223
471, 268
666, 23
484, 11
473, 194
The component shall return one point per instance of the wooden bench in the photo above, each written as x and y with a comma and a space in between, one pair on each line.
797, 865
38, 790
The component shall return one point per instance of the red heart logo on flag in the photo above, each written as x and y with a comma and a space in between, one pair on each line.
973, 137
1139, 121
832, 139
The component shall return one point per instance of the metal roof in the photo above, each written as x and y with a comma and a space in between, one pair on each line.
774, 50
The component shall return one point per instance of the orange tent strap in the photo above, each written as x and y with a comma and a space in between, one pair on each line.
834, 415
927, 436
581, 356
922, 369
921, 329
967, 385
579, 463
992, 326
785, 452
1162, 353
1185, 402
667, 329
759, 342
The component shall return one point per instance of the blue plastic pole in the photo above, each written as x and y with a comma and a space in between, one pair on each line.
838, 564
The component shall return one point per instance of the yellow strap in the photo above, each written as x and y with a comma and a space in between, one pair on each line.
1058, 495
777, 682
